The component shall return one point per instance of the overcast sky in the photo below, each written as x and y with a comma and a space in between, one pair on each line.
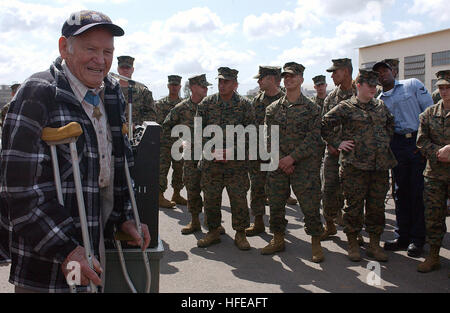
194, 37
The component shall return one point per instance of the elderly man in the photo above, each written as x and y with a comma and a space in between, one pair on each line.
406, 100
46, 236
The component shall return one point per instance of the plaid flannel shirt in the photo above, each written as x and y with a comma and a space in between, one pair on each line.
43, 232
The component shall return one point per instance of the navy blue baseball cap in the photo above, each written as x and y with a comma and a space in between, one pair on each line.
81, 21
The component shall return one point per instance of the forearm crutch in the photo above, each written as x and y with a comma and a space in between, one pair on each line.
63, 135
120, 236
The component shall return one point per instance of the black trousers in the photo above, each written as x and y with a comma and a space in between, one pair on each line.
408, 190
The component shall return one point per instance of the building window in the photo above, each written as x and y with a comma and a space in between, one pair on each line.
415, 67
440, 58
368, 65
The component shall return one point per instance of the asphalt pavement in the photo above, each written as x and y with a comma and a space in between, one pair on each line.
223, 268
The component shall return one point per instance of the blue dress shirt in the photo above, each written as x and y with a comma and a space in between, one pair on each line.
406, 101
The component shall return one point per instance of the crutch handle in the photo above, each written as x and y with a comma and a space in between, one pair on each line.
72, 130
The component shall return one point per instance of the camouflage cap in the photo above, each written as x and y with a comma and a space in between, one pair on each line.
81, 21
125, 60
174, 80
199, 80
268, 70
367, 76
340, 63
227, 73
443, 78
293, 68
14, 87
319, 80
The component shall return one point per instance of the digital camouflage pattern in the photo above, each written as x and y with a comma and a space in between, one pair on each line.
299, 135
232, 175
184, 114
268, 70
434, 134
332, 198
364, 171
436, 96
143, 105
361, 186
257, 177
370, 126
163, 108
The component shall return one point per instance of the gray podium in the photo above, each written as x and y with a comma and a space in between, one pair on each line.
145, 174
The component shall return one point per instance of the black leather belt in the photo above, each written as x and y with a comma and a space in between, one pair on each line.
407, 136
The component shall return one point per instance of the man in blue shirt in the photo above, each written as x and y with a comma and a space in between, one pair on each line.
406, 100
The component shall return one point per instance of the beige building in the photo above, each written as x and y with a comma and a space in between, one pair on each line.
420, 56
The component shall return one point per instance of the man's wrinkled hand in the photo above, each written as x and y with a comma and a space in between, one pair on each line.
86, 273
129, 228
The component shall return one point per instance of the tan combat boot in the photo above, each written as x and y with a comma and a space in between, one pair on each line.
212, 237
317, 253
178, 199
330, 230
275, 245
431, 262
193, 226
374, 250
205, 223
240, 240
164, 203
353, 248
257, 228
291, 201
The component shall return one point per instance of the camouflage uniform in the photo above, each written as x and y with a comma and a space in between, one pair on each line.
332, 198
436, 96
4, 111
434, 134
364, 171
257, 177
319, 80
232, 175
184, 114
143, 105
299, 135
14, 88
163, 108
